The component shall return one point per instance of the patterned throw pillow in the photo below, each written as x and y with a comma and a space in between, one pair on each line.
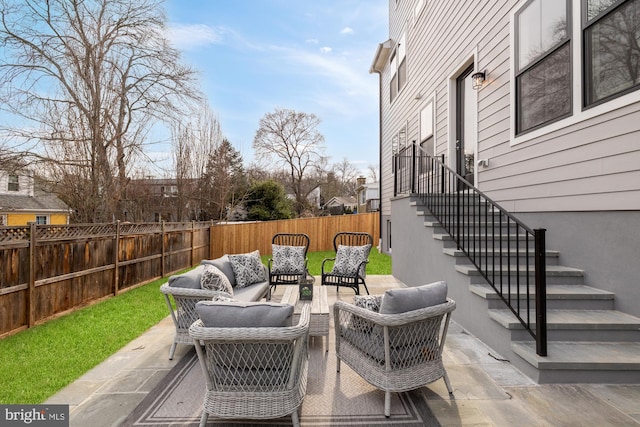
247, 268
370, 302
215, 280
287, 259
222, 298
348, 258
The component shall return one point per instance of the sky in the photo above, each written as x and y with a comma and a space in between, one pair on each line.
254, 56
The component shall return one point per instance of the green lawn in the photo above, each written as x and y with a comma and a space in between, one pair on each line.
40, 361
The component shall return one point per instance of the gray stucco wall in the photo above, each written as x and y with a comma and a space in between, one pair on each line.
606, 245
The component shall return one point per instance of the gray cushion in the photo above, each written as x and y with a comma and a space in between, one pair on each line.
407, 299
247, 268
287, 259
244, 314
223, 265
214, 279
190, 279
253, 292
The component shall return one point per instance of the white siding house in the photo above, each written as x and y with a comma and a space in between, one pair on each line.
552, 135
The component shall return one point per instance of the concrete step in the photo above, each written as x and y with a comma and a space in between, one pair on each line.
512, 256
575, 325
556, 274
567, 297
583, 362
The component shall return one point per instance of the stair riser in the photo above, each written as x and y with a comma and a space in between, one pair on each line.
593, 376
513, 260
556, 280
609, 335
561, 304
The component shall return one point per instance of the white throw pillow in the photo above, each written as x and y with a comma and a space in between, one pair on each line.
215, 280
287, 259
349, 258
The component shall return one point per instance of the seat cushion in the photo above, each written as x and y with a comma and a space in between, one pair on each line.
190, 279
214, 279
244, 314
247, 268
349, 258
287, 259
402, 300
253, 292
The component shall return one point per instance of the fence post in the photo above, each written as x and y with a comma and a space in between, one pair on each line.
541, 292
32, 275
413, 167
116, 261
193, 246
162, 261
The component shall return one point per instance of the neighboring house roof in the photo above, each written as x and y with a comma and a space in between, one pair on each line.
341, 201
39, 202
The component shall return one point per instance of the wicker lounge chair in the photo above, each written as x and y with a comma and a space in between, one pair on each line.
184, 314
350, 264
393, 352
287, 271
253, 373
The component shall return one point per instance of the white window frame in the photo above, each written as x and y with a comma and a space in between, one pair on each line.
397, 58
580, 114
13, 179
47, 219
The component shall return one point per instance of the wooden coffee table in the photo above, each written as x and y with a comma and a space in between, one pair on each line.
319, 322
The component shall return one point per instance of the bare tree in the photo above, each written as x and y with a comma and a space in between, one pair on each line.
291, 139
373, 173
88, 78
193, 145
346, 173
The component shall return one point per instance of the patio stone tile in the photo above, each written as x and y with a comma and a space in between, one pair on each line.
505, 375
468, 383
507, 413
458, 413
105, 412
570, 405
128, 381
75, 393
625, 398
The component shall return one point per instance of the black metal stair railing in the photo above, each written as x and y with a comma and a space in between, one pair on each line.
507, 253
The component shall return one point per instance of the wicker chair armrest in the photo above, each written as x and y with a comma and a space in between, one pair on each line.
394, 319
200, 332
325, 260
190, 292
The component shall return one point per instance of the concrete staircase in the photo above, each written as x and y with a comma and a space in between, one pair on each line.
589, 341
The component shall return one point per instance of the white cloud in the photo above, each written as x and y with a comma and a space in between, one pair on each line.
325, 49
346, 30
191, 36
312, 41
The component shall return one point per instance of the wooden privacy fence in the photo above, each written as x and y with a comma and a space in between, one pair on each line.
46, 270
245, 237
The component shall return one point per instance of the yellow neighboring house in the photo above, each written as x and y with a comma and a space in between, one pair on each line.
21, 202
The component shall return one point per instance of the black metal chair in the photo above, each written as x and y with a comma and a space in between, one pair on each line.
350, 263
290, 262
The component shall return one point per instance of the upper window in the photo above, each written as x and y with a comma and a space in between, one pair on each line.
14, 183
42, 219
611, 32
398, 61
543, 63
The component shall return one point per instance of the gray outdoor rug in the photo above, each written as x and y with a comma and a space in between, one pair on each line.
332, 399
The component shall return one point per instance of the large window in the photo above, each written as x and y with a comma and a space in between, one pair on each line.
398, 62
611, 32
14, 183
543, 63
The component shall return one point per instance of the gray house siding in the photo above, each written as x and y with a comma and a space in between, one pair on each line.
579, 177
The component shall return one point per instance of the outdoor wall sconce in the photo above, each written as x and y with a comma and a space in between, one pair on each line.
478, 79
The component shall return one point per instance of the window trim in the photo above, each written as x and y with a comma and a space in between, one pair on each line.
587, 55
519, 72
47, 220
580, 114
13, 181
